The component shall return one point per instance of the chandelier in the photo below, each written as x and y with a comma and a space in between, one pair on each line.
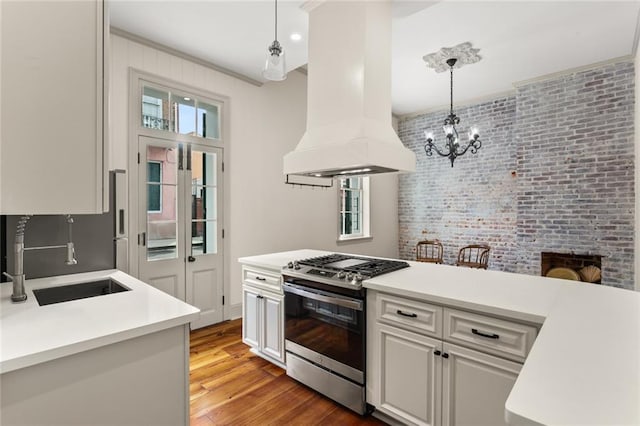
452, 148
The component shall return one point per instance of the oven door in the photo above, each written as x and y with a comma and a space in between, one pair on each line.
327, 329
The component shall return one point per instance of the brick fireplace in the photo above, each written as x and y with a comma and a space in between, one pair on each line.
576, 262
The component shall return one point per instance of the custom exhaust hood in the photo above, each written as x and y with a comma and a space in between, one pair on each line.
349, 128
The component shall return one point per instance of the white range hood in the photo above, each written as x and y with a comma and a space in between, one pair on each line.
349, 128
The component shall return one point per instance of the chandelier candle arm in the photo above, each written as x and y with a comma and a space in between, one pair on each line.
453, 149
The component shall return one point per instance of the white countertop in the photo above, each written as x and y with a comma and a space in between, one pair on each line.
276, 261
584, 367
31, 334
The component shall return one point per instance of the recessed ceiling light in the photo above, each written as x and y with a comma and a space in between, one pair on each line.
295, 37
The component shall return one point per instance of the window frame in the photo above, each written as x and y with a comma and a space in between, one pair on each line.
363, 211
172, 95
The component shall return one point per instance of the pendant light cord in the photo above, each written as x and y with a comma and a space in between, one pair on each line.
276, 26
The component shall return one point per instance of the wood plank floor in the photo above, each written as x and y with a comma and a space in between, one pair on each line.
231, 386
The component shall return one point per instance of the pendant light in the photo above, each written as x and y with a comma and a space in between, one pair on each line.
274, 68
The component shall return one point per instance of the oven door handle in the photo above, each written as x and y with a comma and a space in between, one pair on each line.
347, 303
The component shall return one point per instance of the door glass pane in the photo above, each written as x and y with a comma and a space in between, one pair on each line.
203, 168
162, 202
203, 202
204, 237
184, 114
208, 121
155, 108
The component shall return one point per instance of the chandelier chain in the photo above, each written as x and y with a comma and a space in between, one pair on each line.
451, 106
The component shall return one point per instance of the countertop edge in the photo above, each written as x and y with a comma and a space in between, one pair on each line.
87, 345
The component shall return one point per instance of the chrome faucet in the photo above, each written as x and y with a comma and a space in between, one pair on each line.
17, 278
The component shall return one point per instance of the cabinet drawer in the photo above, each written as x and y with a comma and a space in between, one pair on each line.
492, 335
412, 315
262, 278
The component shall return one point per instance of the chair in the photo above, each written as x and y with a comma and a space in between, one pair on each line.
474, 256
429, 251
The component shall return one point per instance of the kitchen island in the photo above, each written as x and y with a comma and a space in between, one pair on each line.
584, 365
119, 358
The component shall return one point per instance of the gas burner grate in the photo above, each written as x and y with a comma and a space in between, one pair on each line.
369, 267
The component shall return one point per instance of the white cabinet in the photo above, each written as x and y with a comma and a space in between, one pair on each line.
475, 386
272, 331
251, 321
410, 378
263, 314
53, 112
496, 336
417, 375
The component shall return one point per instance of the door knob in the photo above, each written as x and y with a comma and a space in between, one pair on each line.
191, 259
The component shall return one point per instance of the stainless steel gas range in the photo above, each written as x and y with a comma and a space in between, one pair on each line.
325, 323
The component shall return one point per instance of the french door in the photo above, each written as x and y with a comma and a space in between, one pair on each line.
180, 223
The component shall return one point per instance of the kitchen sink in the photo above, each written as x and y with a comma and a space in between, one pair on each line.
66, 293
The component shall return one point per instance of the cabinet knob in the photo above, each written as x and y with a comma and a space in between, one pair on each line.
445, 355
436, 353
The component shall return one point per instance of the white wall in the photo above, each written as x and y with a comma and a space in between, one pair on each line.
266, 215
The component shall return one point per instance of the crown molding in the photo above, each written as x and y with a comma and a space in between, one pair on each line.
185, 56
625, 58
309, 5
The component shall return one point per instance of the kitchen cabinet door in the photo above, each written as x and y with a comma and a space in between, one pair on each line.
53, 113
251, 311
475, 386
410, 375
272, 326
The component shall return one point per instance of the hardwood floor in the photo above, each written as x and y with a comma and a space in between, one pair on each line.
231, 386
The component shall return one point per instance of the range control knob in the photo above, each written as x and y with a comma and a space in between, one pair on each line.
341, 274
290, 265
358, 278
349, 276
296, 265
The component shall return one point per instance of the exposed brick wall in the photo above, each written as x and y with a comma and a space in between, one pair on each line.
555, 173
473, 202
576, 169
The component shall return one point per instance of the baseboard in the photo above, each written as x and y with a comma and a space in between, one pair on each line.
235, 311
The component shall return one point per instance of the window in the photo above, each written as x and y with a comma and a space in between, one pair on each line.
354, 208
184, 113
154, 187
155, 109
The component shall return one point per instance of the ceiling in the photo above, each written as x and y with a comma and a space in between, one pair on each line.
518, 40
